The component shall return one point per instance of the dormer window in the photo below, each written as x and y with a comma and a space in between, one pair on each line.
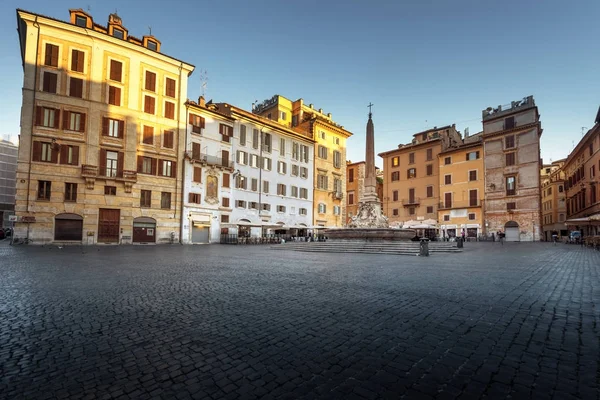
80, 20
118, 33
151, 45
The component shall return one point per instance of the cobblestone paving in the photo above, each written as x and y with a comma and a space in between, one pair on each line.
228, 322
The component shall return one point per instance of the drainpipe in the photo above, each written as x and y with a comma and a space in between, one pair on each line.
183, 158
35, 79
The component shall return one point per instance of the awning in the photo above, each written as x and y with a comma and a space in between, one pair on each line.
200, 220
591, 220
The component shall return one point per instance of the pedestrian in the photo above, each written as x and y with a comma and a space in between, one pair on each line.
555, 237
463, 234
500, 237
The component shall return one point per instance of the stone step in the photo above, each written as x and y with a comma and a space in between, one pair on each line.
407, 248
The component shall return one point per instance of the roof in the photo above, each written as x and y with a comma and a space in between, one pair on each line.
85, 31
192, 104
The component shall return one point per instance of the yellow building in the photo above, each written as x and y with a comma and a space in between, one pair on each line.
329, 208
554, 206
102, 126
462, 189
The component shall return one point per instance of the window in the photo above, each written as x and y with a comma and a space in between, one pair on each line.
560, 188
76, 87
150, 81
281, 189
167, 168
226, 132
322, 208
280, 209
255, 138
448, 200
411, 158
294, 191
446, 217
169, 86
225, 202
47, 117
73, 121
70, 192
429, 191
267, 142
447, 179
69, 155
266, 207
242, 157
323, 152
283, 115
168, 139
114, 96
226, 180
336, 140
429, 169
447, 160
241, 182
116, 70
282, 146
152, 45
511, 206
473, 198
509, 123
281, 167
269, 115
110, 190
169, 110
240, 204
303, 172
351, 198
549, 191
395, 161
395, 176
145, 198
148, 135
337, 210
149, 104
294, 120
429, 209
265, 187
395, 212
112, 163
118, 33
267, 164
304, 153
146, 165
197, 174
510, 158
411, 210
77, 60
51, 58
165, 200
197, 123
112, 127
337, 185
242, 135
322, 134
194, 198
473, 175
45, 153
303, 211
337, 159
395, 195
429, 154
254, 160
254, 185
49, 83
81, 21
411, 173
224, 218
253, 205
351, 175
511, 182
593, 171
473, 155
303, 193
509, 142
471, 216
295, 170
322, 182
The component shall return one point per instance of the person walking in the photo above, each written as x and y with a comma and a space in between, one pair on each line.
500, 236
555, 237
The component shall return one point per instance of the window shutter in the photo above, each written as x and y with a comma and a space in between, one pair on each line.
197, 174
173, 169
190, 197
202, 123
104, 126
64, 154
226, 180
102, 161
120, 162
121, 129
54, 56
160, 167
66, 117
191, 119
56, 119
82, 123
75, 160
37, 151
39, 115
115, 70
55, 153
225, 158
477, 154
140, 163
153, 166
196, 151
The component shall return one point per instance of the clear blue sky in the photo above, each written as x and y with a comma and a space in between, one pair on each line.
422, 63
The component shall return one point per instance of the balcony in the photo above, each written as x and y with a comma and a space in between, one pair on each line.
460, 204
206, 159
89, 171
113, 173
413, 201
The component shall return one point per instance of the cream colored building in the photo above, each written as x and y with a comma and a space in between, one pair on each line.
329, 207
102, 129
554, 206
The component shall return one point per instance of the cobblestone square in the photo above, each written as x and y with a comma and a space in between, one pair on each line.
227, 322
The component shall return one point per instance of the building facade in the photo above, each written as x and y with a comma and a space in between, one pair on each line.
329, 173
582, 176
272, 186
207, 173
511, 150
554, 207
355, 185
8, 179
102, 129
411, 187
461, 189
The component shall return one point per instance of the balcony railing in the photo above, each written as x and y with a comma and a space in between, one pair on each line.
113, 173
212, 160
460, 204
413, 201
89, 171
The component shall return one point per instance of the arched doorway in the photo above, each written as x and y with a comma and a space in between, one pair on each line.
511, 231
68, 226
144, 230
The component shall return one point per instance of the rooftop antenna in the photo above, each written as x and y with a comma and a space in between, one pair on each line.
253, 104
150, 29
203, 82
583, 129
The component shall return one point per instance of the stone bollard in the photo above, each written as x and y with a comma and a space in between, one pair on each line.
424, 249
459, 243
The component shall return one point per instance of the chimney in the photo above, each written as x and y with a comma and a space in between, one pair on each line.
201, 101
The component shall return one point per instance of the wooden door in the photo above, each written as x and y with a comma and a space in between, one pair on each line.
108, 225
